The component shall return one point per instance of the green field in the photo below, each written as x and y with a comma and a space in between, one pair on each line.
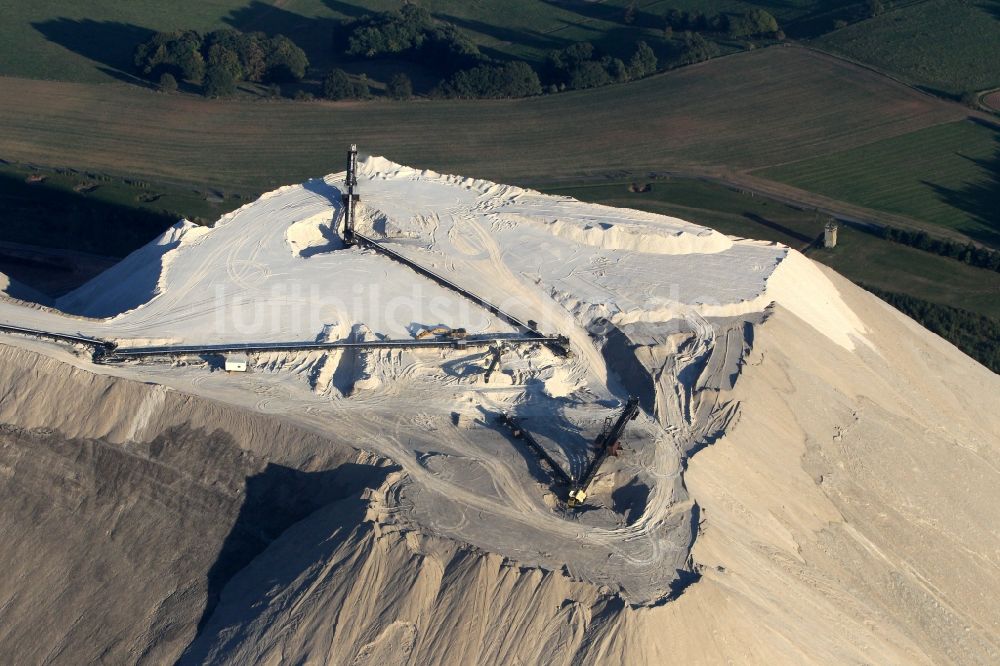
90, 212
779, 105
858, 256
93, 42
893, 267
947, 46
948, 175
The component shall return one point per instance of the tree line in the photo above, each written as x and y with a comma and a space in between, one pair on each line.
219, 60
753, 23
968, 253
581, 65
976, 335
412, 33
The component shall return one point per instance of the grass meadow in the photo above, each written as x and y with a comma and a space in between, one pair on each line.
750, 110
950, 47
948, 174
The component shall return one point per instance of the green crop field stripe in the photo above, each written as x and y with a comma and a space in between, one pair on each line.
944, 45
945, 174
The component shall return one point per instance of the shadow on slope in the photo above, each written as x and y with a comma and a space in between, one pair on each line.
324, 189
630, 500
13, 287
123, 287
979, 199
780, 228
110, 43
313, 34
275, 499
528, 38
55, 240
47, 216
613, 13
545, 417
689, 575
349, 10
329, 504
113, 552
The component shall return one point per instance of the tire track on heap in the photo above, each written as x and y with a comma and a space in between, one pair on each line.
579, 338
641, 545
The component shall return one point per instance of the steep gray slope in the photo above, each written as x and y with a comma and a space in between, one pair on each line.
117, 543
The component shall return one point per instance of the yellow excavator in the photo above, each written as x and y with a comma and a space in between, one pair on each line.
609, 444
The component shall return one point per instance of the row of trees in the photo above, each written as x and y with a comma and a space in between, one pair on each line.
491, 81
338, 85
220, 59
753, 23
580, 65
695, 48
974, 334
412, 32
980, 257
577, 66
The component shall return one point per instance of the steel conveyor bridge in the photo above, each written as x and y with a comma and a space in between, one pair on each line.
106, 351
70, 338
124, 353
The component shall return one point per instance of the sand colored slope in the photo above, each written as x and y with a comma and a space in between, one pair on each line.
137, 279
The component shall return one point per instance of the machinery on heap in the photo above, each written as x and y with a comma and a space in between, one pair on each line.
351, 196
495, 353
557, 343
441, 331
608, 444
518, 432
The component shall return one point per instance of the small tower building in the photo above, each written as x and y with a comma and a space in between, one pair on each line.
830, 234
